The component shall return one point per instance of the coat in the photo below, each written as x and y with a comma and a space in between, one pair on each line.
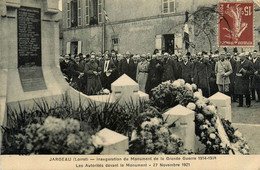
93, 81
242, 82
107, 79
256, 78
186, 71
142, 74
155, 71
202, 73
169, 70
222, 68
128, 69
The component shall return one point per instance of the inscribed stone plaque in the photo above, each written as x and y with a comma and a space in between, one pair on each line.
29, 49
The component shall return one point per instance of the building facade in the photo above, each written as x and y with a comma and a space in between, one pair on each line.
138, 26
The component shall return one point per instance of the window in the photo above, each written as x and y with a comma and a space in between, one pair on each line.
95, 12
115, 41
168, 6
87, 12
79, 13
68, 15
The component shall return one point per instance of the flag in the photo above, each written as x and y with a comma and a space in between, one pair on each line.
186, 32
106, 16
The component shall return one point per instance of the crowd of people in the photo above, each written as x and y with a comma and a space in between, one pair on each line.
236, 74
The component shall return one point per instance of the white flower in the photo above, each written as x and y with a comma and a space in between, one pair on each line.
188, 86
200, 104
167, 82
209, 110
54, 125
191, 106
194, 86
106, 91
145, 123
176, 84
155, 121
164, 130
200, 91
212, 136
182, 82
198, 95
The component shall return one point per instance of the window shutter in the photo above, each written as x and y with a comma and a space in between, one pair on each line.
87, 12
68, 48
100, 11
79, 47
79, 13
68, 15
158, 42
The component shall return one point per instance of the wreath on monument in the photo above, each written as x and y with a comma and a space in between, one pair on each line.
218, 135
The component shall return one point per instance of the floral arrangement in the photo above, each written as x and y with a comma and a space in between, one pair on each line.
237, 140
155, 137
56, 136
169, 94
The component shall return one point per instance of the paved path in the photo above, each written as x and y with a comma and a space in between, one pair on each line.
247, 120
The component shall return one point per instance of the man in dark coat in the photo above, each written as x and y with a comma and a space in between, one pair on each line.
244, 69
127, 66
155, 71
169, 68
212, 80
73, 71
202, 73
108, 69
232, 76
256, 78
93, 71
186, 69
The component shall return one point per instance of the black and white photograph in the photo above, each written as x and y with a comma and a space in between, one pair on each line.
130, 84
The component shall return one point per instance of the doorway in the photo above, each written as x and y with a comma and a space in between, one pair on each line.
169, 43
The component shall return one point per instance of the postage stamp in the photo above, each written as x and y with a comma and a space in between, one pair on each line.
236, 24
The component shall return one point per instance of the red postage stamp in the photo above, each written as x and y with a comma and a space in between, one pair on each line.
236, 24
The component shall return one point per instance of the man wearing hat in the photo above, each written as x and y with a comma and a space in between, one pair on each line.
256, 78
244, 69
223, 69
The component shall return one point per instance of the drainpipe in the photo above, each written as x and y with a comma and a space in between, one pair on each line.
103, 28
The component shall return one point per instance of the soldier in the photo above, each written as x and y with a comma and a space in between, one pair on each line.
142, 72
244, 69
223, 69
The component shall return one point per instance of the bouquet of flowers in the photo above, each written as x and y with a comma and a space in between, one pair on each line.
155, 137
57, 136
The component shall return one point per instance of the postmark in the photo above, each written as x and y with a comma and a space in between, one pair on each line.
236, 24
